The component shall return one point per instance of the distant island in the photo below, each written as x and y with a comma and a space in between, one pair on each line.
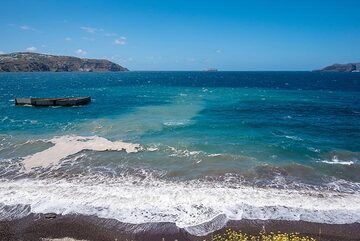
211, 70
36, 62
351, 67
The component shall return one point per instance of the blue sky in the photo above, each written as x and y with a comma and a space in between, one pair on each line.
187, 35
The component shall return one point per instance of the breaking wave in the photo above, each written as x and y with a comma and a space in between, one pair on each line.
188, 204
336, 160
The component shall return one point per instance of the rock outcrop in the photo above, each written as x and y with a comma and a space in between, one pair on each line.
351, 67
35, 62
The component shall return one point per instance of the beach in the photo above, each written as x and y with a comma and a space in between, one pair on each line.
79, 227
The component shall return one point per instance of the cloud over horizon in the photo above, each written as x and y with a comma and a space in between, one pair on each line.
81, 52
31, 49
120, 41
92, 30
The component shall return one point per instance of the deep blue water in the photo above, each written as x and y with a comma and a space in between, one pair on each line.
282, 130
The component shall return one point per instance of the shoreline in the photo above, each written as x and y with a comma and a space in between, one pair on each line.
81, 227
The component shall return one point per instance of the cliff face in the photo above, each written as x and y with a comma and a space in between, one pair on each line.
35, 62
351, 67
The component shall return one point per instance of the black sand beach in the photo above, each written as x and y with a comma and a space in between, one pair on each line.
80, 227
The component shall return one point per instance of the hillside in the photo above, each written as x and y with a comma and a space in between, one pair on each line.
35, 62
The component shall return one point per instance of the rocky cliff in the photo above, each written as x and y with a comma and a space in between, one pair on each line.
35, 62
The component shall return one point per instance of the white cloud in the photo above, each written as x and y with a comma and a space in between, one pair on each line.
119, 59
89, 29
120, 41
80, 52
88, 39
110, 34
1, 52
98, 31
68, 39
92, 30
27, 28
24, 27
31, 49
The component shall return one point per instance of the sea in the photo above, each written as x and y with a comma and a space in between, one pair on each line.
193, 148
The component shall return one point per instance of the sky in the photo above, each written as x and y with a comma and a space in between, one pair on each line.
188, 34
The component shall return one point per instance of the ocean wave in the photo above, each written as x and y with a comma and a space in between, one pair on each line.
214, 155
65, 146
177, 123
316, 150
8, 120
335, 160
283, 134
11, 212
182, 152
188, 204
295, 138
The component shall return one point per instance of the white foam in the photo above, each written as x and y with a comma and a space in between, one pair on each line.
183, 153
214, 155
65, 146
295, 138
336, 160
177, 123
188, 204
151, 149
313, 149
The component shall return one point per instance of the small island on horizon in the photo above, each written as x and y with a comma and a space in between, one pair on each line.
37, 62
350, 67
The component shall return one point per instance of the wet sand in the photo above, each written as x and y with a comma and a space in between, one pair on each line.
80, 227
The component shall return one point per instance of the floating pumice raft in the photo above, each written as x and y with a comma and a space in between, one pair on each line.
65, 146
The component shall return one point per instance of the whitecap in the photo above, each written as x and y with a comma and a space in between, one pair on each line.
295, 138
151, 149
313, 149
214, 155
176, 123
336, 160
183, 152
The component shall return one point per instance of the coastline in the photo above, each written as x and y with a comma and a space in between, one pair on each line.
81, 227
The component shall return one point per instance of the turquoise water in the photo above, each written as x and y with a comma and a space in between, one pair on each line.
184, 147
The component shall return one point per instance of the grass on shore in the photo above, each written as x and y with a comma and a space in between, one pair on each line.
231, 235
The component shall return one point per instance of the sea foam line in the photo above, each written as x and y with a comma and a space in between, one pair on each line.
188, 204
68, 145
